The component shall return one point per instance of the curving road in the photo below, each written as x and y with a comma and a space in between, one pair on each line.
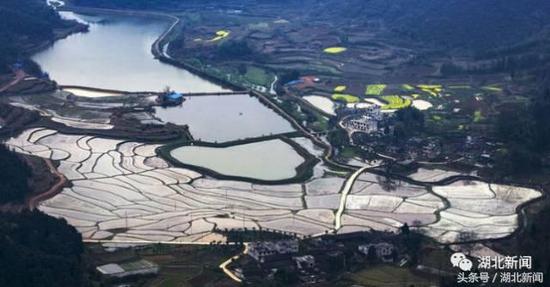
54, 190
345, 191
228, 272
19, 76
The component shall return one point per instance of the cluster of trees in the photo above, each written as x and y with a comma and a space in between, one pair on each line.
23, 23
233, 49
475, 25
37, 250
470, 24
14, 176
526, 135
500, 64
408, 122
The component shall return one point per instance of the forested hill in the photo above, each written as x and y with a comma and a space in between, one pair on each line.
475, 24
471, 24
37, 250
24, 23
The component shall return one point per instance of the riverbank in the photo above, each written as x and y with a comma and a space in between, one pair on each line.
58, 35
156, 49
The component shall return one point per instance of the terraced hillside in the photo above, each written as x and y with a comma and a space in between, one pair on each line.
123, 192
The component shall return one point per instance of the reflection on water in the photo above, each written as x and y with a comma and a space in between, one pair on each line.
268, 160
225, 118
116, 54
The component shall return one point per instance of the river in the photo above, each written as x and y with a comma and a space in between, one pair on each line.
116, 54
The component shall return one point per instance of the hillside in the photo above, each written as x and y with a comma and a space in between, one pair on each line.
25, 24
37, 250
469, 24
453, 23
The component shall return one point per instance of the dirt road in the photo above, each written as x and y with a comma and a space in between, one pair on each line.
19, 76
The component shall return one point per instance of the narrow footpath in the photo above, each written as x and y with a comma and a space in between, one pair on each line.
33, 201
344, 197
19, 76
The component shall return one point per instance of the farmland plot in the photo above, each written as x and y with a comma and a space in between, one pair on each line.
123, 192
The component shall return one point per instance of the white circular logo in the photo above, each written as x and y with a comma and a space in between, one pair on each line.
459, 260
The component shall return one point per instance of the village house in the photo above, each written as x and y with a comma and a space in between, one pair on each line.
384, 251
306, 262
261, 251
170, 99
140, 267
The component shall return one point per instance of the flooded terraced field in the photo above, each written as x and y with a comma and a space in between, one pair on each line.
122, 191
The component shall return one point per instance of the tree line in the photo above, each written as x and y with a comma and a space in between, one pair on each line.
14, 176
525, 132
37, 250
25, 23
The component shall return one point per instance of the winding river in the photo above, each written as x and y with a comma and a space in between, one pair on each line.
116, 54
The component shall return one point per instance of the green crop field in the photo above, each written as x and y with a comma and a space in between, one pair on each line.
432, 90
345, 98
335, 50
258, 76
478, 116
492, 89
222, 34
340, 89
375, 90
395, 102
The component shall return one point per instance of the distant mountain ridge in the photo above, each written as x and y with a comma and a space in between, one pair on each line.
471, 24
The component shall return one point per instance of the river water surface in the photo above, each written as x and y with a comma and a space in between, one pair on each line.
116, 54
225, 118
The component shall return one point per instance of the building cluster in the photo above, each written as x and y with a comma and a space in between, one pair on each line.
313, 260
127, 269
361, 117
423, 148
383, 251
267, 250
170, 98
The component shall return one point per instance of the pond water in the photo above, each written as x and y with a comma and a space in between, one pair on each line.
116, 54
267, 160
225, 118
